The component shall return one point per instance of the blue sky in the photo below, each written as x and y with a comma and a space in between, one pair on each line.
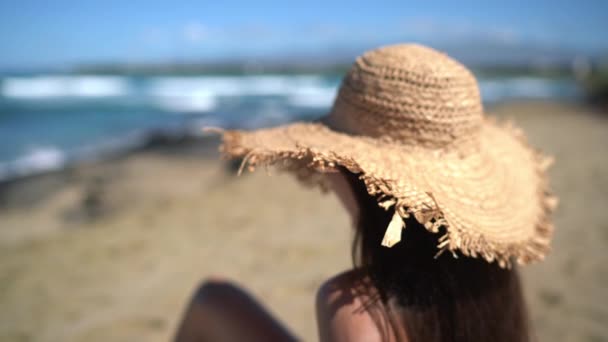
63, 33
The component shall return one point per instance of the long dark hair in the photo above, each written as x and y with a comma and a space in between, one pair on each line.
434, 299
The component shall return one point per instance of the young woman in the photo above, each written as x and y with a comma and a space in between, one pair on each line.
443, 202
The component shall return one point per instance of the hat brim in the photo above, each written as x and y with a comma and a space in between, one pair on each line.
491, 196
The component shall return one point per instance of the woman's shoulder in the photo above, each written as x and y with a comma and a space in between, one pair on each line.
347, 286
345, 308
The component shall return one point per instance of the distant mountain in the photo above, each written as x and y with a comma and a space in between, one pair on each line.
486, 55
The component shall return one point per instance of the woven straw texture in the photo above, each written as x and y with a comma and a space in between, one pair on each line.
409, 120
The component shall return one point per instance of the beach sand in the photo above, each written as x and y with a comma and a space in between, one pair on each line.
112, 251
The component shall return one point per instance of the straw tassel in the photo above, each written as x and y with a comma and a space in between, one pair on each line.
393, 232
244, 162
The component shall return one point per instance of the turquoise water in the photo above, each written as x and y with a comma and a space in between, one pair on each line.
49, 121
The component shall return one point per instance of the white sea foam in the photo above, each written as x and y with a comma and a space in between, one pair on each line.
38, 159
313, 97
197, 101
64, 86
231, 85
200, 94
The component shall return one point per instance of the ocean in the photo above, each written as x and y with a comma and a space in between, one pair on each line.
50, 121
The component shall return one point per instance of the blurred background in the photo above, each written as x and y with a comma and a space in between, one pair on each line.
113, 203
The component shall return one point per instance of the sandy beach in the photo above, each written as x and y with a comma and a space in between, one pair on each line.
112, 251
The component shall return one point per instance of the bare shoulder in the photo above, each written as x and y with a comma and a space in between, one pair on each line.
344, 304
345, 287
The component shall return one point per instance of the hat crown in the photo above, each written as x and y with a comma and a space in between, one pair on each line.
408, 93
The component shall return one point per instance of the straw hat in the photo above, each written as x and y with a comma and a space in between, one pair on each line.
408, 119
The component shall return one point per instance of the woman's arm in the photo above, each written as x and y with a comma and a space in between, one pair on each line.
222, 311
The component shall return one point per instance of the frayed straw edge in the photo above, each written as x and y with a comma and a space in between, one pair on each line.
540, 244
430, 215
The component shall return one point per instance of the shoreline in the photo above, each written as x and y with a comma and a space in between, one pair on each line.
202, 146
